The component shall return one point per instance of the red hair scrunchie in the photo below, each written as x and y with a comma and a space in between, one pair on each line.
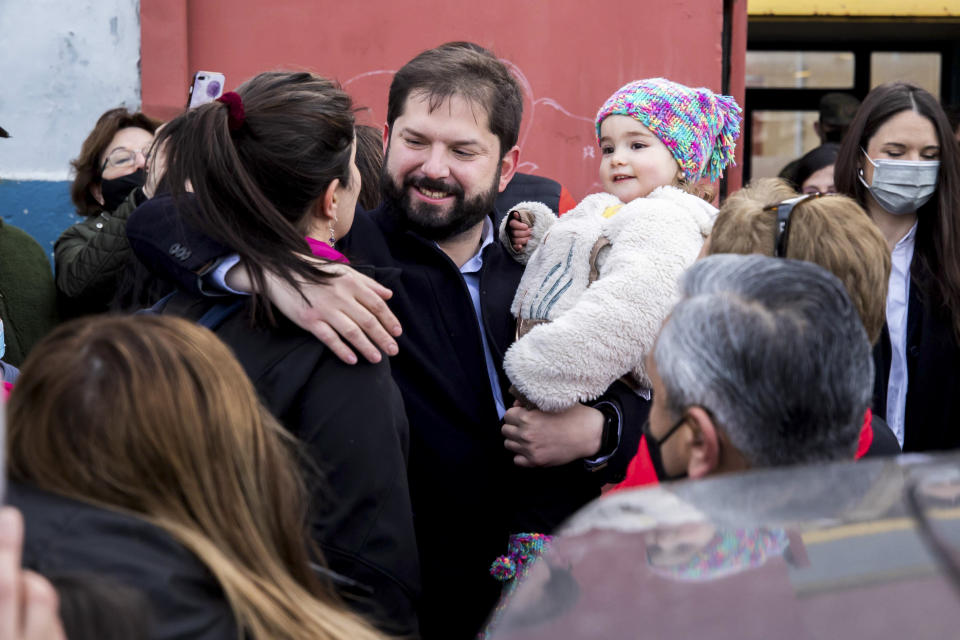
235, 112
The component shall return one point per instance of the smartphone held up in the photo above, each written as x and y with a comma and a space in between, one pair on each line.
206, 87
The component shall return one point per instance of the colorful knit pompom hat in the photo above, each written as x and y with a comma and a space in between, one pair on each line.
698, 126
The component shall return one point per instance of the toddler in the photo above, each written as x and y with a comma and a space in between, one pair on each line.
600, 280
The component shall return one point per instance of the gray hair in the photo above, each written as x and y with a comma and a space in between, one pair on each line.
776, 351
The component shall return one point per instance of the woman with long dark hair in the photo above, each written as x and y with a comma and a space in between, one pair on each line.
270, 171
900, 162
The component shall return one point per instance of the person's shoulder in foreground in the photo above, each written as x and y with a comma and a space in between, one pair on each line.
66, 536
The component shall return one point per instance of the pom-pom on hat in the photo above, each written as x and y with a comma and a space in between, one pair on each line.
698, 126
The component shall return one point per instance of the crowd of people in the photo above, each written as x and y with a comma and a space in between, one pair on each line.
345, 371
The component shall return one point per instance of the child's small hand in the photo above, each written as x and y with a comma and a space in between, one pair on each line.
518, 231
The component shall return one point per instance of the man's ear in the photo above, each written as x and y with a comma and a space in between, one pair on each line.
704, 443
508, 166
96, 192
386, 137
819, 130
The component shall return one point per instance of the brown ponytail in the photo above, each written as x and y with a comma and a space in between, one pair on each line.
254, 186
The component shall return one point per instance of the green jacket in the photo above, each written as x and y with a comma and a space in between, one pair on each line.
91, 256
28, 297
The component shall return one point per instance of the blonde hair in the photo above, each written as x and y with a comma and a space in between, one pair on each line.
702, 191
154, 416
833, 232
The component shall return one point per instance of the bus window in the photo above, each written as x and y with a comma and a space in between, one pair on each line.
799, 69
780, 137
922, 69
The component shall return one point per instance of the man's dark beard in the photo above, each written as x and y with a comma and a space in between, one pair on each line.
424, 219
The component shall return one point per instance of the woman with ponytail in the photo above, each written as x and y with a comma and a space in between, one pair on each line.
270, 171
137, 450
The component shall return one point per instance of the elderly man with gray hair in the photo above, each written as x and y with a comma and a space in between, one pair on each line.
763, 362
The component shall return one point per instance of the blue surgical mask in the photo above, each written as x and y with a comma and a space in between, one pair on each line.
902, 186
3, 344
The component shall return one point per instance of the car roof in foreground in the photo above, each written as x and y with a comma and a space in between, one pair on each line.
826, 551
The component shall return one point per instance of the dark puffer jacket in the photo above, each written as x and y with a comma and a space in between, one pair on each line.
91, 258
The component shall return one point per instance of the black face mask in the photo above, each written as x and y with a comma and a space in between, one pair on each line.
115, 191
654, 446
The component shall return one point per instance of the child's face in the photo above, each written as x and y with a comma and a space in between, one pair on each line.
633, 161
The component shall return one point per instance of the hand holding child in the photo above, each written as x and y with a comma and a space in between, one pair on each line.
519, 229
541, 439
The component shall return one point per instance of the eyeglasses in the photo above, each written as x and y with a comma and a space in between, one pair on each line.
782, 230
122, 157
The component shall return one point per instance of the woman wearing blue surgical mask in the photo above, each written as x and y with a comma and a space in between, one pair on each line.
900, 162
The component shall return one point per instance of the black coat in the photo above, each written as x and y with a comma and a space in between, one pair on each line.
524, 187
68, 537
352, 425
467, 494
932, 417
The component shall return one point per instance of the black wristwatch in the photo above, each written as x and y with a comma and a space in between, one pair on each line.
610, 437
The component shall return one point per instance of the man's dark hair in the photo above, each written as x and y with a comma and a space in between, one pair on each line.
467, 70
837, 111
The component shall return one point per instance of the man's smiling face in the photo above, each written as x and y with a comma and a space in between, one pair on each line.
443, 166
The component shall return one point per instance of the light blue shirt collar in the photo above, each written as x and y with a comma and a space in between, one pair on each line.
471, 277
474, 264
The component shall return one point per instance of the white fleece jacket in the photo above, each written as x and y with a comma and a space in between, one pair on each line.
602, 331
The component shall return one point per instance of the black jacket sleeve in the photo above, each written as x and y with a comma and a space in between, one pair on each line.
90, 255
170, 248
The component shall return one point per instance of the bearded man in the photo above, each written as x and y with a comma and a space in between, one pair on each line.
453, 120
